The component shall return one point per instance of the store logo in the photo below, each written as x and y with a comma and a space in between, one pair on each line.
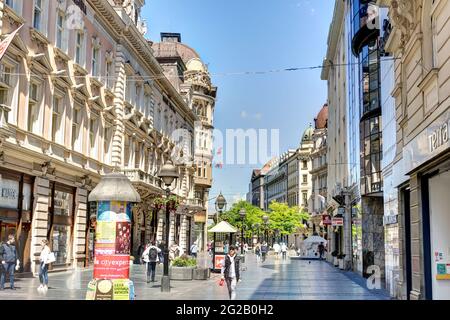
374, 281
439, 137
9, 193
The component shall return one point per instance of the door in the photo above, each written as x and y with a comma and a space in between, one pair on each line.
408, 266
439, 219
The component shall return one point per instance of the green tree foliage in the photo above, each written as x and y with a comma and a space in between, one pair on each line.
253, 215
286, 219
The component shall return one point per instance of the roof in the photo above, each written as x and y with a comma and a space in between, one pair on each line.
314, 239
171, 49
322, 118
224, 227
307, 135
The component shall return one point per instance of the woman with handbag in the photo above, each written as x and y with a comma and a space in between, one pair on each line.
45, 258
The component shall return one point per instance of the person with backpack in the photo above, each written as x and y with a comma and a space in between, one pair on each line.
151, 258
10, 262
194, 250
264, 250
46, 257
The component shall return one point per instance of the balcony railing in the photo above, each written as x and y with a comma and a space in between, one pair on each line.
137, 175
194, 202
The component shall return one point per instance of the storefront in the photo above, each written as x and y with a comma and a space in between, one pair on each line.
428, 166
16, 191
61, 224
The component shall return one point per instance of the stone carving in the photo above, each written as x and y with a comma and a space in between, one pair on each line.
402, 15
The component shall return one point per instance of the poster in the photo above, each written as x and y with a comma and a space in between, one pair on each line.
121, 289
105, 232
337, 222
122, 210
105, 249
111, 266
219, 261
90, 294
123, 237
326, 220
443, 271
104, 290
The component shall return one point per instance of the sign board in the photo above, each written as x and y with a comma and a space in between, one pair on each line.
219, 261
392, 219
443, 271
326, 219
336, 222
111, 266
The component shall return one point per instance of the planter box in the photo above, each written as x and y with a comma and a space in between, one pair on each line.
181, 273
335, 262
341, 264
201, 274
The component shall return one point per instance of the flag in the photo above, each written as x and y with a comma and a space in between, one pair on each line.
7, 41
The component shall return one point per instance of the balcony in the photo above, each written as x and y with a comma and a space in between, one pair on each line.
194, 204
144, 182
364, 26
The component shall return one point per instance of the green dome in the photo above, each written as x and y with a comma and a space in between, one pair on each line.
307, 135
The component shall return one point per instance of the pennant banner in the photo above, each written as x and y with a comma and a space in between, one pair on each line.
7, 41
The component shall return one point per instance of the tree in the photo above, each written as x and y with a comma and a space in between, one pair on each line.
286, 219
253, 215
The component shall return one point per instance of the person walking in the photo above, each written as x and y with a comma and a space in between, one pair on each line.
284, 250
258, 253
10, 262
277, 249
245, 248
322, 250
264, 250
46, 257
174, 251
230, 272
194, 250
151, 257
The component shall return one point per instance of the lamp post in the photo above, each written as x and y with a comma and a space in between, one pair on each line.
168, 174
242, 213
266, 224
220, 205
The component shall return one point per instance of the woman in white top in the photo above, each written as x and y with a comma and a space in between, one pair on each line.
44, 259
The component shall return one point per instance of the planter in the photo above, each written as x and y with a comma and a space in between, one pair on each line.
201, 274
335, 262
181, 273
341, 264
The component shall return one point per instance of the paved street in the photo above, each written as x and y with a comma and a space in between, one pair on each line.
272, 280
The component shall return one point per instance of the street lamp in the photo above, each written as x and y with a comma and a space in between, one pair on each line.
266, 223
220, 204
242, 213
168, 174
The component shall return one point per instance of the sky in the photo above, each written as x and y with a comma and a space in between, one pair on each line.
237, 36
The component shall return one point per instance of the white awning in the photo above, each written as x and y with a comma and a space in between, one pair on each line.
314, 239
224, 227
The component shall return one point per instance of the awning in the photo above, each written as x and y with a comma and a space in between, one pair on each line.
314, 239
223, 227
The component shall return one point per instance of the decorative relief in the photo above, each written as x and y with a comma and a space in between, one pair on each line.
402, 15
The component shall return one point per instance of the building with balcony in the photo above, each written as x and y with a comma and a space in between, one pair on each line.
78, 101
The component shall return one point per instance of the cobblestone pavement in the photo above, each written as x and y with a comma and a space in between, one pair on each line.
271, 280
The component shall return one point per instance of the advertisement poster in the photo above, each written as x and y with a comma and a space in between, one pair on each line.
104, 290
90, 294
121, 289
326, 220
112, 267
105, 248
338, 222
122, 210
105, 232
443, 271
123, 237
219, 260
104, 211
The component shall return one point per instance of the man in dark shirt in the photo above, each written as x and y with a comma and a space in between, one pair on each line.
10, 262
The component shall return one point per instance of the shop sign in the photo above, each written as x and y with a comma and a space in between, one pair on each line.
9, 193
428, 144
111, 266
341, 211
336, 222
443, 271
392, 219
326, 219
219, 261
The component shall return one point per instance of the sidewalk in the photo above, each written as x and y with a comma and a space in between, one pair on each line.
272, 280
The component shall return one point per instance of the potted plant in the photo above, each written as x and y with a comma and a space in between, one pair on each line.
182, 268
173, 203
334, 254
158, 203
341, 257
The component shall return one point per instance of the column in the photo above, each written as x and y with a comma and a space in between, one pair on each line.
159, 231
119, 92
40, 219
183, 234
79, 237
418, 281
348, 232
172, 229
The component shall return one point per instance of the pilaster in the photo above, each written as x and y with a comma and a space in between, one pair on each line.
79, 237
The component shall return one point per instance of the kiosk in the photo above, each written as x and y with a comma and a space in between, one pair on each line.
309, 247
223, 233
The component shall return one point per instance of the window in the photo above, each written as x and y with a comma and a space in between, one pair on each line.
33, 109
305, 178
109, 74
95, 61
60, 29
57, 112
434, 43
107, 135
5, 83
93, 136
76, 123
37, 24
79, 48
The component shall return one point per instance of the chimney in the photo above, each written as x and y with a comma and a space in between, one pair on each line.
170, 37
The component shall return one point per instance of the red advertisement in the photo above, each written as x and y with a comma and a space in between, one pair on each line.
112, 267
219, 261
123, 238
326, 220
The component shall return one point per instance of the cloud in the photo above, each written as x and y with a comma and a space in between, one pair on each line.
256, 116
243, 114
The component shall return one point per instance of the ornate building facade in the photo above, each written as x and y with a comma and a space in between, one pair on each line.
82, 94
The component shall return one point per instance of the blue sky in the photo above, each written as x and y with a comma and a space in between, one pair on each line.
234, 36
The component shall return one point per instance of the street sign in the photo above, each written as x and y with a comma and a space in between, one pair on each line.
337, 222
